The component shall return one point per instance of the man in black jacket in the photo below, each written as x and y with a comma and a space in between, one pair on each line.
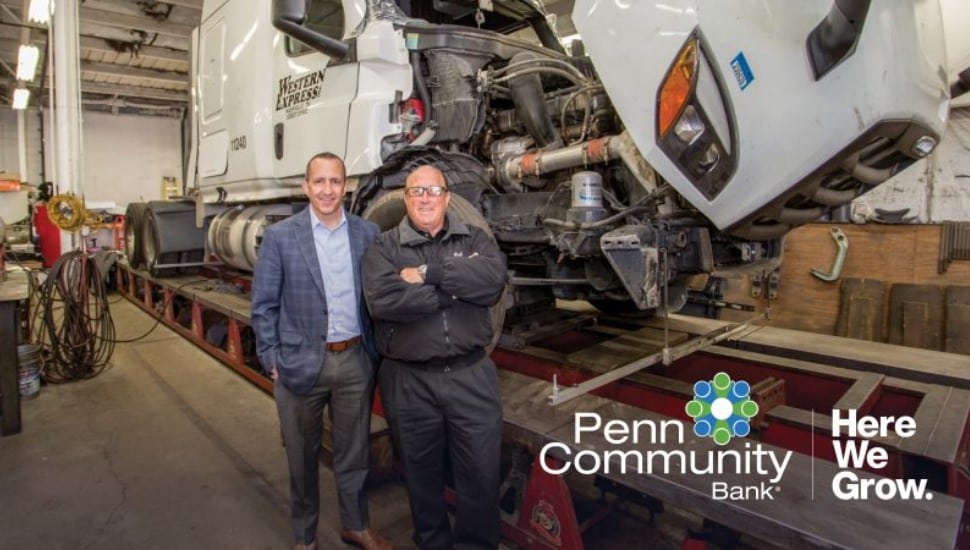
429, 283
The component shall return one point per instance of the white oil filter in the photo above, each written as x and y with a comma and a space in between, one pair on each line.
587, 190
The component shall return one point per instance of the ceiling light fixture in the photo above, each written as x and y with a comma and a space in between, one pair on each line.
20, 98
27, 62
40, 11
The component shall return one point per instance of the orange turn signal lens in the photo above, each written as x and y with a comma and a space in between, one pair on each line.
677, 87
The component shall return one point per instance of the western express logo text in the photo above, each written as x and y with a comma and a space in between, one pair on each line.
295, 92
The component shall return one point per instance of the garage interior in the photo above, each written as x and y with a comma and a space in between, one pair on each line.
154, 426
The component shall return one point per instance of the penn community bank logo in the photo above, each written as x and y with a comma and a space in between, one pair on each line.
721, 408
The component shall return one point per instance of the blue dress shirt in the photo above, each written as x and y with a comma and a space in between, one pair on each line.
333, 255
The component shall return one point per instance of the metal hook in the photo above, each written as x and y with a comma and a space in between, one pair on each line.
843, 243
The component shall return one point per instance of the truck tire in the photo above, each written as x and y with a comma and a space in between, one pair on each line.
151, 246
388, 211
134, 220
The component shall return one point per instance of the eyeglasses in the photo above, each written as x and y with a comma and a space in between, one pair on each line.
433, 190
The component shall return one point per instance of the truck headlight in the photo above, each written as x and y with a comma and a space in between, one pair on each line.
689, 126
694, 126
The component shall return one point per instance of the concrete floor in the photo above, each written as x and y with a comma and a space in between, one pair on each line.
167, 448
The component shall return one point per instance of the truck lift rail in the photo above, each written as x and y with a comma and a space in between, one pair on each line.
796, 386
795, 396
666, 355
802, 513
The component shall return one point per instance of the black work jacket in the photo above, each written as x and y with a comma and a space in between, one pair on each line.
446, 316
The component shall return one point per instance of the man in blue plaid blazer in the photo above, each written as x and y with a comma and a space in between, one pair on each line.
314, 338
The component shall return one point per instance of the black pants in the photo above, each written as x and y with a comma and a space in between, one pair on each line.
458, 411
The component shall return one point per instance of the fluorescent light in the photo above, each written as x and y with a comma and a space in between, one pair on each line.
40, 11
20, 98
27, 62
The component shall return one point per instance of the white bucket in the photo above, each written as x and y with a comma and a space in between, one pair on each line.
29, 365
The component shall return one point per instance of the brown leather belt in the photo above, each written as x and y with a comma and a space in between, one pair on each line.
343, 345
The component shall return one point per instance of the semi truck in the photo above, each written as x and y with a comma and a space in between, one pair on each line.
667, 140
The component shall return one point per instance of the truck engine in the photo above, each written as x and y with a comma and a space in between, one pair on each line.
528, 137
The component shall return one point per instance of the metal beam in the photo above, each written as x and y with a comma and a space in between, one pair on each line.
10, 70
11, 32
139, 72
134, 91
113, 90
99, 30
14, 16
8, 50
123, 21
155, 52
16, 32
10, 44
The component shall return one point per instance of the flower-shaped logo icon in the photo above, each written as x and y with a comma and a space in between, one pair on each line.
721, 408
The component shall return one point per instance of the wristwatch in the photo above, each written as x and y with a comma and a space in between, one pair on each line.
423, 271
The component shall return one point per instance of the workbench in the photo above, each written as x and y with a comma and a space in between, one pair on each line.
13, 290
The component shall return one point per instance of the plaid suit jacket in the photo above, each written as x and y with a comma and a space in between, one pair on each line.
289, 306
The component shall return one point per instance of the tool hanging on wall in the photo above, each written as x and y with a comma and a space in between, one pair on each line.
842, 242
67, 212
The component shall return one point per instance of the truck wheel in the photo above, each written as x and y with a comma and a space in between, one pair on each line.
388, 211
134, 220
151, 247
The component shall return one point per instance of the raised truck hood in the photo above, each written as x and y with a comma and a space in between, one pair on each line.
781, 129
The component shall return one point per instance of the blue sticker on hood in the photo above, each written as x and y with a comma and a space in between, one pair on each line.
742, 71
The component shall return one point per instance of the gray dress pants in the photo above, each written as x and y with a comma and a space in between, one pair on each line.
346, 382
